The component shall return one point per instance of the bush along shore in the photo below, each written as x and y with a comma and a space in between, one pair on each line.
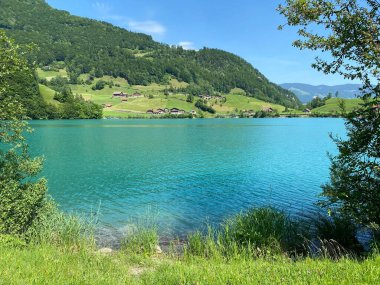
260, 246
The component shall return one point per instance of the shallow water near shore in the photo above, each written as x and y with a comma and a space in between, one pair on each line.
182, 174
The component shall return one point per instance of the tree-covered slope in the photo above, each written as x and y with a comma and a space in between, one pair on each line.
89, 46
21, 85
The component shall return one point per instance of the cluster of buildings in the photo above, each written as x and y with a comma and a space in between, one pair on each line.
125, 96
172, 111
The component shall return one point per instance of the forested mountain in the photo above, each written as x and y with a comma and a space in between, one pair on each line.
306, 92
99, 48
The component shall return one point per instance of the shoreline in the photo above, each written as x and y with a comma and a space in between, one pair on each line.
210, 118
159, 119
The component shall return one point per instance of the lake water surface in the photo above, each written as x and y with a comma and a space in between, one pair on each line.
184, 173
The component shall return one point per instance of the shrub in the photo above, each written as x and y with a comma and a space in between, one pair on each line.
190, 98
202, 106
11, 241
257, 232
99, 85
64, 95
266, 228
22, 194
54, 227
205, 245
339, 229
141, 241
58, 82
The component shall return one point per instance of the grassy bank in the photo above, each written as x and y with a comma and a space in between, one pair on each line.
260, 246
51, 265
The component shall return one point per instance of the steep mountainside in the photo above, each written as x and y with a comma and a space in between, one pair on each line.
306, 92
91, 47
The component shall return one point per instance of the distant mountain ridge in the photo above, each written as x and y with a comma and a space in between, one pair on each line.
306, 92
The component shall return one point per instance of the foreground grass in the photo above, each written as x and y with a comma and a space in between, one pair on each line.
261, 271
259, 246
52, 265
49, 265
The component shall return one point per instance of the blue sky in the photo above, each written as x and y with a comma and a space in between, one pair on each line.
247, 28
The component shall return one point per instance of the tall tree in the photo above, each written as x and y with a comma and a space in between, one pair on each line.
350, 32
22, 196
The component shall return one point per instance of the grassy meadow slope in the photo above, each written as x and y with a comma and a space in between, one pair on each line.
48, 94
332, 106
154, 97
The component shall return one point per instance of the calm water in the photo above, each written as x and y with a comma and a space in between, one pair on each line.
183, 173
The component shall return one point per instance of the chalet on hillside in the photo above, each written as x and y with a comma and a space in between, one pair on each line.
107, 105
156, 112
307, 111
268, 109
249, 112
176, 111
205, 97
173, 111
136, 95
119, 94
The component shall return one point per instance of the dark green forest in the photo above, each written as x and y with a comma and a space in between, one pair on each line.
23, 87
99, 48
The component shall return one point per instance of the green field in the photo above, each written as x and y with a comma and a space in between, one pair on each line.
48, 75
332, 106
47, 94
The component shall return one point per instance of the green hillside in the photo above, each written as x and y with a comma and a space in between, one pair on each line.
155, 96
332, 106
87, 47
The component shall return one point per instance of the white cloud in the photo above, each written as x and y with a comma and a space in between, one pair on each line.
148, 27
106, 12
187, 45
102, 7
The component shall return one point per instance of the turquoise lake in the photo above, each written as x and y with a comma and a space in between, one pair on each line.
183, 174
